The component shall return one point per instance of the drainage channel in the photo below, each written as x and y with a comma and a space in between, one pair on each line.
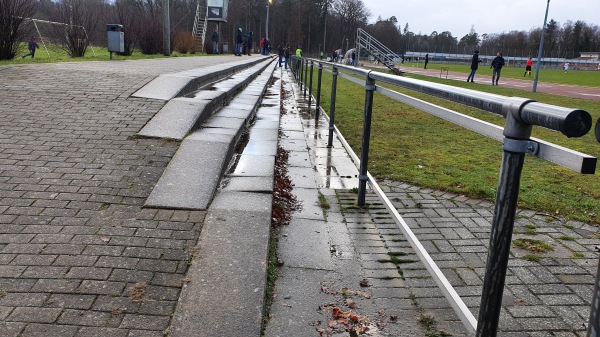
246, 137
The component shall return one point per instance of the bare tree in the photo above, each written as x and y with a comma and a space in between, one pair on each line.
78, 18
352, 14
12, 16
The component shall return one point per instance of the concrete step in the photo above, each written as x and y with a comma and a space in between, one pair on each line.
227, 279
168, 86
192, 176
182, 115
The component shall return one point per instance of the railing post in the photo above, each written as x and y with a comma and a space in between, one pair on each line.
318, 108
305, 77
366, 136
332, 107
516, 145
301, 73
594, 322
310, 82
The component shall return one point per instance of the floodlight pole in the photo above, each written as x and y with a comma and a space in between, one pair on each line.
539, 59
166, 29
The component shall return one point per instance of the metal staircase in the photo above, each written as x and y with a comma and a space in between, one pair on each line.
200, 23
377, 49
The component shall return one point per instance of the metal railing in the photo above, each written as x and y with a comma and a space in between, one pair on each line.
521, 115
377, 49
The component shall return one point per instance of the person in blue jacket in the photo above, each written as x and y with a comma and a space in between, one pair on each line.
474, 65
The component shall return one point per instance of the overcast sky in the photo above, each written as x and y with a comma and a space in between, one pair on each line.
487, 16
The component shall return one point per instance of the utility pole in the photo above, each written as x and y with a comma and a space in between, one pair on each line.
539, 58
166, 29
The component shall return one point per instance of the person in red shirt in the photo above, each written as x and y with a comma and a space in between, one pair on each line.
528, 67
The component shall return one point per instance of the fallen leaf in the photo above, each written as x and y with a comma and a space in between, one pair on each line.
363, 294
186, 280
351, 304
364, 283
381, 325
393, 317
104, 239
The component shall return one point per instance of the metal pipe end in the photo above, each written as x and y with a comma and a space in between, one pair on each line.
577, 123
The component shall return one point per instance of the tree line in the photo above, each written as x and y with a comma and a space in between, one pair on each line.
314, 25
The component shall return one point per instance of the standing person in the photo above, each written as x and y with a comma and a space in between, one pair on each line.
250, 37
31, 46
299, 55
238, 43
321, 55
566, 67
287, 55
497, 64
474, 65
528, 67
335, 57
262, 46
280, 52
426, 60
353, 56
215, 41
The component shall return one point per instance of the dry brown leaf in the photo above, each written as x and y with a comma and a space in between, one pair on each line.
364, 283
137, 292
186, 280
351, 304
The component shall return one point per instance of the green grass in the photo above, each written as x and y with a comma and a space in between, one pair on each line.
588, 78
411, 146
59, 55
532, 257
536, 246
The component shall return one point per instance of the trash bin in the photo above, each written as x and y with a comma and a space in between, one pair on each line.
116, 38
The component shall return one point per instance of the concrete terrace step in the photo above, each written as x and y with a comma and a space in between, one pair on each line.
184, 114
227, 279
192, 176
168, 86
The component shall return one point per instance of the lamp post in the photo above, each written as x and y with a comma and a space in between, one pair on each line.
267, 22
539, 58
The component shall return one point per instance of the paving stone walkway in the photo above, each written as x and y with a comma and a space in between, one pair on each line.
78, 254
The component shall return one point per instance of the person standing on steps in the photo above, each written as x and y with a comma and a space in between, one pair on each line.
249, 42
215, 41
238, 42
474, 65
280, 52
528, 67
426, 60
286, 53
497, 64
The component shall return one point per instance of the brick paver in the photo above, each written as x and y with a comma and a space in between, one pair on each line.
546, 298
78, 254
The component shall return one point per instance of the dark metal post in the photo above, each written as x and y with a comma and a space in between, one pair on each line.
305, 77
366, 136
332, 107
318, 108
594, 322
301, 73
516, 144
310, 82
